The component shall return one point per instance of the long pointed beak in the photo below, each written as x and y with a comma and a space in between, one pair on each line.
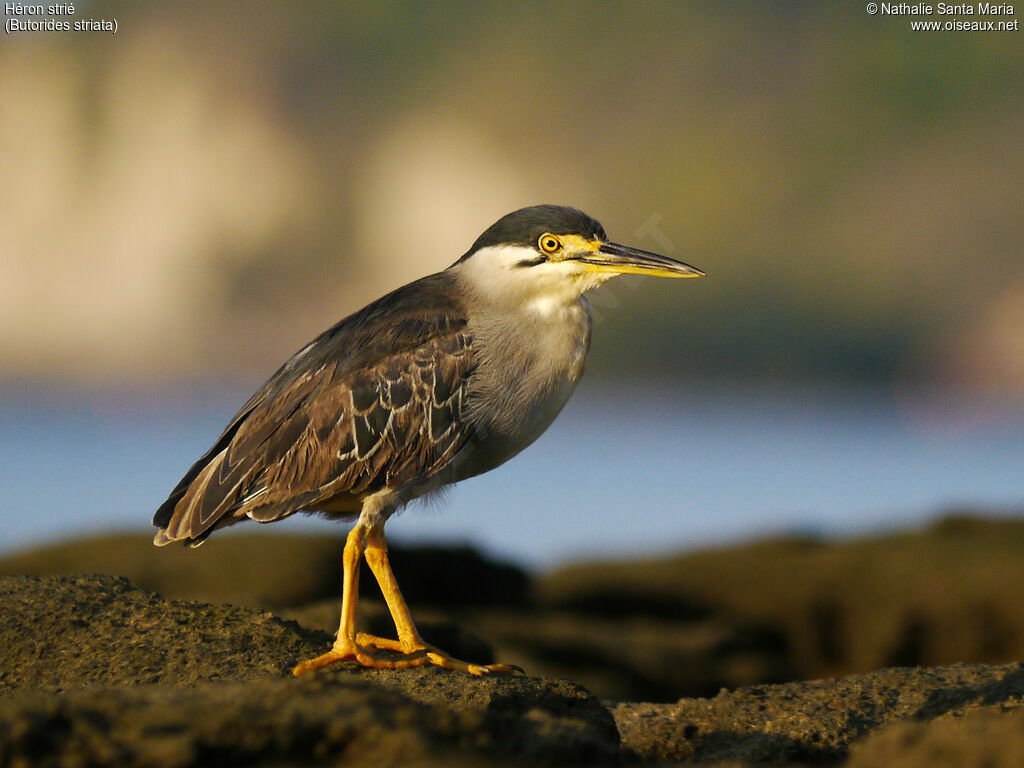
622, 260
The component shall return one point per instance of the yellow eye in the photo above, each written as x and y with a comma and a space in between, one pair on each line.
549, 244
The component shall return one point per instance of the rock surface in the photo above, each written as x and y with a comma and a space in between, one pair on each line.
812, 722
67, 632
96, 671
647, 629
950, 593
988, 737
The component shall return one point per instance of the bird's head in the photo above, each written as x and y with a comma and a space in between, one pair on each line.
555, 252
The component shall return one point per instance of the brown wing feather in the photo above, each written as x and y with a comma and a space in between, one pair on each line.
373, 403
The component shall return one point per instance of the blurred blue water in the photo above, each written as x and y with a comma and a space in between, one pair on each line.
619, 473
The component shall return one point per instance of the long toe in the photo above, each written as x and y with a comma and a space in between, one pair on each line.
331, 657
366, 640
443, 660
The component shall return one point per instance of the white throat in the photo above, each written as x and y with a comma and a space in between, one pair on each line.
506, 276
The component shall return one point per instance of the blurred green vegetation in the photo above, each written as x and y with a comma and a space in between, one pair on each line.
853, 189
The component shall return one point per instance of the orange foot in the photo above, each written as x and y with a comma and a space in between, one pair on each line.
364, 651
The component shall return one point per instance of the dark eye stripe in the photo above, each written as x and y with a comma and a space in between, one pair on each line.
532, 262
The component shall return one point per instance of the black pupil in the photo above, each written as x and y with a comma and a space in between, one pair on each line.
550, 244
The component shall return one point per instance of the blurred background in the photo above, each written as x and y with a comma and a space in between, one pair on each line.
188, 201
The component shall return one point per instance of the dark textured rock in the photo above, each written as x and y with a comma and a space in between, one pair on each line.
524, 716
813, 722
650, 629
95, 671
64, 632
311, 721
985, 738
946, 594
98, 672
635, 647
281, 721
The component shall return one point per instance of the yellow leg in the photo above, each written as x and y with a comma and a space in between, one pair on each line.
409, 640
352, 645
345, 645
359, 646
377, 558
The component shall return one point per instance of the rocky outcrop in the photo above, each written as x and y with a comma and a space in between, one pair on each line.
98, 672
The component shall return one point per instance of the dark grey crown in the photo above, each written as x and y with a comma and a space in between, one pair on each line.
525, 226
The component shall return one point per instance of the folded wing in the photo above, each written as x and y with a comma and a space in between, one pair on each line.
373, 403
